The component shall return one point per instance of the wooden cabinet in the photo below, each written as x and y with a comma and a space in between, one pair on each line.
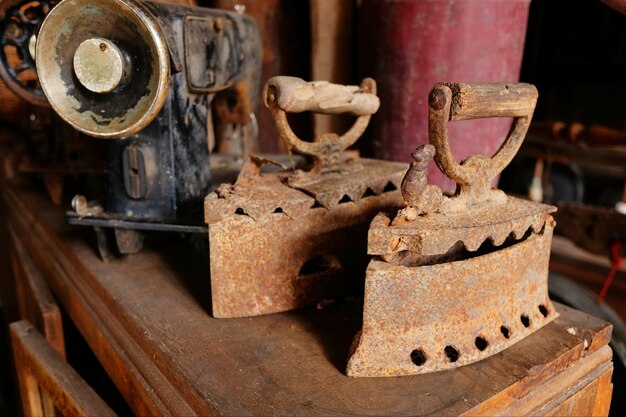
147, 318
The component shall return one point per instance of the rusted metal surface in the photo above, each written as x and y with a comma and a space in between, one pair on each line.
456, 279
293, 238
291, 254
416, 318
363, 177
436, 233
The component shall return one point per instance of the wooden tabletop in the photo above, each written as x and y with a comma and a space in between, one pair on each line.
147, 318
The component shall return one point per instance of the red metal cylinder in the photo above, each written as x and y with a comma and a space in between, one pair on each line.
409, 45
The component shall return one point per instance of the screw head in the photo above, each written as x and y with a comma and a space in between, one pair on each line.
218, 24
437, 99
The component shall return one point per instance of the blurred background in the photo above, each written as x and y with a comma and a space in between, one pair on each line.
574, 156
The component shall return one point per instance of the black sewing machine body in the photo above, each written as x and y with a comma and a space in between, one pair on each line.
175, 63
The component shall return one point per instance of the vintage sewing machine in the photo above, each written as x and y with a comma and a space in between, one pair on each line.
153, 80
297, 237
453, 280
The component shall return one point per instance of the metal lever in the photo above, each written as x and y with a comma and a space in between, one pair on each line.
457, 101
284, 95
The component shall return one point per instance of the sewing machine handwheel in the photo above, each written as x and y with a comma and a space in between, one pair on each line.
285, 95
19, 23
104, 65
458, 101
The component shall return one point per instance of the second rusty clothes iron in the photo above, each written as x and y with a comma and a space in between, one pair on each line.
454, 280
293, 238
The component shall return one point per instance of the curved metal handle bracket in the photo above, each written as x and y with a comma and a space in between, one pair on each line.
475, 174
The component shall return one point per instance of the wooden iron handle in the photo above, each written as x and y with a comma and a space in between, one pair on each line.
284, 95
294, 95
481, 100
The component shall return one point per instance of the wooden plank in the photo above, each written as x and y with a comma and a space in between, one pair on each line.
32, 404
36, 302
559, 388
38, 363
592, 400
156, 305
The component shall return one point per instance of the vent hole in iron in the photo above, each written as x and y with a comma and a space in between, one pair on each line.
240, 211
231, 102
451, 353
389, 187
320, 263
481, 343
525, 320
278, 210
369, 193
345, 199
418, 357
506, 332
543, 310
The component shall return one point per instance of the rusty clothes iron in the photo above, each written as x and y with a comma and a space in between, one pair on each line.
453, 280
287, 239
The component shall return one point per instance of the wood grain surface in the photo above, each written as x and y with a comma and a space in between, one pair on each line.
475, 101
147, 318
36, 304
38, 364
35, 301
